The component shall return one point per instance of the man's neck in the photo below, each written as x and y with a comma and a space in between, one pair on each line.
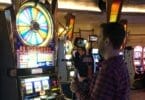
111, 54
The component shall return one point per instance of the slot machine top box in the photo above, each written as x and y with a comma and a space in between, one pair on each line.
35, 25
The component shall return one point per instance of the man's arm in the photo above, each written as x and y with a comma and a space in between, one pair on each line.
103, 89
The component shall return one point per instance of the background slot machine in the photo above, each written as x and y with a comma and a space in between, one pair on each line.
68, 57
137, 59
144, 57
97, 58
35, 53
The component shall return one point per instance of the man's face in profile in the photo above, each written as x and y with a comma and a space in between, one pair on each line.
101, 42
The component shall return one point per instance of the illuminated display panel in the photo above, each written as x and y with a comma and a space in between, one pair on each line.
137, 53
115, 10
37, 86
137, 59
34, 85
72, 73
96, 56
34, 57
144, 53
93, 38
34, 24
29, 88
68, 46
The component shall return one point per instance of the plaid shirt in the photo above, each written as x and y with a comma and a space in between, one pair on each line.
112, 82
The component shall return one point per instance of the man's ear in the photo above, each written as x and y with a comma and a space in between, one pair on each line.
107, 41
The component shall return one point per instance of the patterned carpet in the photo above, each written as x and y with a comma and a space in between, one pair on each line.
138, 94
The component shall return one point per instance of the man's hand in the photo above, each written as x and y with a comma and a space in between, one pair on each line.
73, 86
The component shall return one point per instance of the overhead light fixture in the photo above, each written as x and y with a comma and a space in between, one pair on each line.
133, 9
4, 4
115, 10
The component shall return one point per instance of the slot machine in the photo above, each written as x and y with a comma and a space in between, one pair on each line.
97, 58
36, 75
137, 60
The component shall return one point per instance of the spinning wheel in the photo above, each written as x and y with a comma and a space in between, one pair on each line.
34, 24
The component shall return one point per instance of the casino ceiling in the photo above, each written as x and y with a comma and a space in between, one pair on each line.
88, 16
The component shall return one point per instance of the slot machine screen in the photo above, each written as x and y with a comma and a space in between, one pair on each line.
33, 58
93, 38
137, 58
45, 84
33, 85
96, 56
37, 86
29, 88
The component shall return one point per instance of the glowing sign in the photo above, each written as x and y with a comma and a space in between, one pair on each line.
115, 10
70, 24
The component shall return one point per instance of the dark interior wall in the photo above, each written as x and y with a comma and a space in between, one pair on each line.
8, 87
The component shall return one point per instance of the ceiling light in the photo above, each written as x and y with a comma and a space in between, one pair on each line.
4, 4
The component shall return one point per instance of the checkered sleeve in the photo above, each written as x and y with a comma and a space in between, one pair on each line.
104, 85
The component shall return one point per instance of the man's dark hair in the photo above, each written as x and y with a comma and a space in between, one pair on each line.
115, 32
82, 48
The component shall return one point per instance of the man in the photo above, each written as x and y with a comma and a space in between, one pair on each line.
79, 56
112, 82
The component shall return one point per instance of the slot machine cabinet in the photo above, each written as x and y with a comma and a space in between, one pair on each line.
36, 75
8, 89
137, 60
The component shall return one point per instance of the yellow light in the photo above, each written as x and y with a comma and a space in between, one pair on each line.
55, 89
5, 1
114, 11
60, 30
70, 32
